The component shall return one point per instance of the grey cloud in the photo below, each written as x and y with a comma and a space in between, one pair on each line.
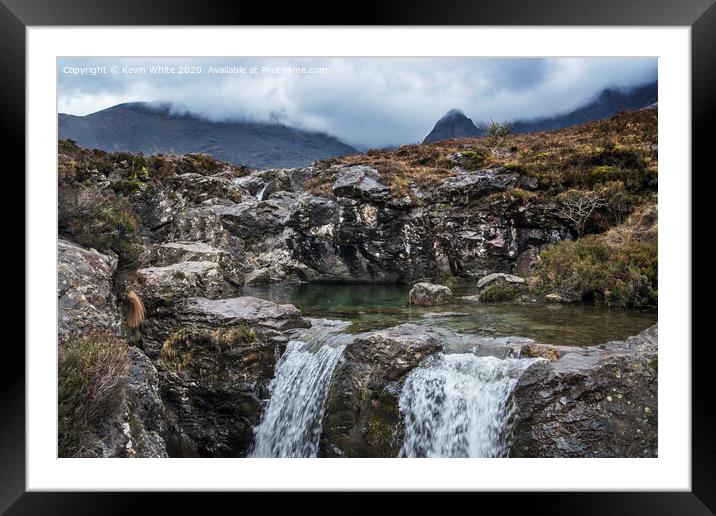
364, 101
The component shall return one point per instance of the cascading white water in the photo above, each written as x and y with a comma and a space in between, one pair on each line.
292, 422
260, 194
459, 405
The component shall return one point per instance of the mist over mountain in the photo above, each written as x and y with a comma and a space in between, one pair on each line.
455, 124
152, 129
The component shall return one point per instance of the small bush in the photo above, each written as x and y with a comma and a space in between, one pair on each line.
497, 133
92, 374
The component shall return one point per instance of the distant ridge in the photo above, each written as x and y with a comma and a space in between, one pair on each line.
154, 128
455, 124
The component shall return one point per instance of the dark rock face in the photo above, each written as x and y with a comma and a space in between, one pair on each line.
362, 417
215, 360
596, 402
213, 396
458, 229
86, 301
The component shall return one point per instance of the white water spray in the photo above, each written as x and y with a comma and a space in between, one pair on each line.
293, 419
459, 405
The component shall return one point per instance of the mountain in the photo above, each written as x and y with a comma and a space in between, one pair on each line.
609, 102
151, 129
454, 124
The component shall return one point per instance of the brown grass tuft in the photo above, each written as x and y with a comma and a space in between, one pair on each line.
134, 310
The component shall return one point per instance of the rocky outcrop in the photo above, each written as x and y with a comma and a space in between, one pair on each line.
169, 253
361, 416
428, 294
215, 360
162, 287
85, 300
592, 402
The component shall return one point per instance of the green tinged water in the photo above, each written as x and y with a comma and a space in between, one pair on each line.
373, 307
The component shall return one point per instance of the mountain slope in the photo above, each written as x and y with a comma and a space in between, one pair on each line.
135, 127
454, 124
609, 102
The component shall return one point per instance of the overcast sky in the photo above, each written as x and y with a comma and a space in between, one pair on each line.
363, 101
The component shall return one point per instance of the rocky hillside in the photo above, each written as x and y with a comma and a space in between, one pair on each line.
142, 127
154, 252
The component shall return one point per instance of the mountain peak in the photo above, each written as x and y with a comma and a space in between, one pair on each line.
453, 124
454, 113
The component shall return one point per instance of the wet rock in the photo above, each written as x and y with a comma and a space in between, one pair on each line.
500, 287
161, 287
212, 381
85, 300
362, 416
534, 350
554, 298
592, 402
428, 294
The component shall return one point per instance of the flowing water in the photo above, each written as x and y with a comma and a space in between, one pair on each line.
454, 404
292, 422
460, 405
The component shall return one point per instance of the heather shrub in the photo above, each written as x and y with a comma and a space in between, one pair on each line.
92, 374
592, 269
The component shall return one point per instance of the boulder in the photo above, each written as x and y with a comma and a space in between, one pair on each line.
362, 416
592, 402
161, 287
554, 298
501, 287
428, 294
360, 182
85, 300
171, 253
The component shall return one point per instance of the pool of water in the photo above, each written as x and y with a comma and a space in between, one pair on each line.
372, 307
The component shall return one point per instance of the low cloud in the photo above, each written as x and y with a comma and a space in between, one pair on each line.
367, 102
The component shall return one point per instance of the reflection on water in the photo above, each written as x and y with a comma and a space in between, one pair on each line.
371, 307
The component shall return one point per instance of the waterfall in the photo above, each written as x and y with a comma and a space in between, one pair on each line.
260, 194
292, 422
460, 405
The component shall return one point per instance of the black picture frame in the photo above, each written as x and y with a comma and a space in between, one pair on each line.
17, 15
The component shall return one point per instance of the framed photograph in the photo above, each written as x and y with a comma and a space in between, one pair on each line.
423, 252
